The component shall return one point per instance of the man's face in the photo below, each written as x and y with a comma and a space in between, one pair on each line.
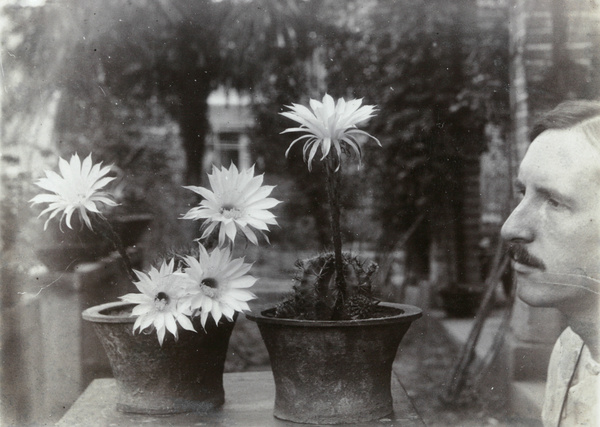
554, 232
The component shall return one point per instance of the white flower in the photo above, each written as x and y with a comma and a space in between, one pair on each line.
159, 302
329, 124
78, 189
238, 201
220, 284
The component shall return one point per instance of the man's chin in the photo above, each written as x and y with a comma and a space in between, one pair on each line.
533, 293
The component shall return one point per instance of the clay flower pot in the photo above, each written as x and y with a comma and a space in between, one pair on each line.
333, 372
181, 376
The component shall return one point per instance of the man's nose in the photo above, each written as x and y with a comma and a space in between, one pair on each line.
519, 226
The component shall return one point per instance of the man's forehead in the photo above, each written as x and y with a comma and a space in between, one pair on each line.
566, 147
562, 158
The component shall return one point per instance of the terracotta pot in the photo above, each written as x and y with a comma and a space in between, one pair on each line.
181, 376
333, 372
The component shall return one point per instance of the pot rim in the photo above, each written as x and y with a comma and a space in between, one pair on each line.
95, 313
409, 314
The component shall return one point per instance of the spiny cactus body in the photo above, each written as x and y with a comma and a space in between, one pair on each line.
316, 296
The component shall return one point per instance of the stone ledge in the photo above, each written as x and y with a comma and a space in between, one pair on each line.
248, 403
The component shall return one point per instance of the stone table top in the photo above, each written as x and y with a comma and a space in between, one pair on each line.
249, 399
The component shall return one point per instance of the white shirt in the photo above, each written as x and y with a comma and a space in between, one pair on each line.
573, 385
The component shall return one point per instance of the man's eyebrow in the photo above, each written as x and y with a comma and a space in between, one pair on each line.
554, 194
546, 192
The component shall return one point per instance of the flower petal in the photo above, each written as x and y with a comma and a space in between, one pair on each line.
329, 124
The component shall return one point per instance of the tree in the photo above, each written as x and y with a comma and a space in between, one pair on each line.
437, 81
180, 51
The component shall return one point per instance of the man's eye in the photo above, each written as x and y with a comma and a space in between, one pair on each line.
554, 203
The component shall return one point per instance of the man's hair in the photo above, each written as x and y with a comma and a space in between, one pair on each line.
582, 114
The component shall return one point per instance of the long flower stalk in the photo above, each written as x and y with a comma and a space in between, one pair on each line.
333, 193
104, 229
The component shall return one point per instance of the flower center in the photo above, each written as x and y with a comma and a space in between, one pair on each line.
210, 287
161, 300
76, 196
230, 211
210, 282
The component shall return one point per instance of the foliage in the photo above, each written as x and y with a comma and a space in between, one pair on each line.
122, 68
437, 80
180, 51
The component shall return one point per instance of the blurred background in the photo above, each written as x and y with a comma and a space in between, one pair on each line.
164, 89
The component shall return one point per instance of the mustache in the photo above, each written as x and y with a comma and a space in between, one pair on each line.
520, 254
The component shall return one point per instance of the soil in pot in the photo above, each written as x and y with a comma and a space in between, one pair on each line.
181, 376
